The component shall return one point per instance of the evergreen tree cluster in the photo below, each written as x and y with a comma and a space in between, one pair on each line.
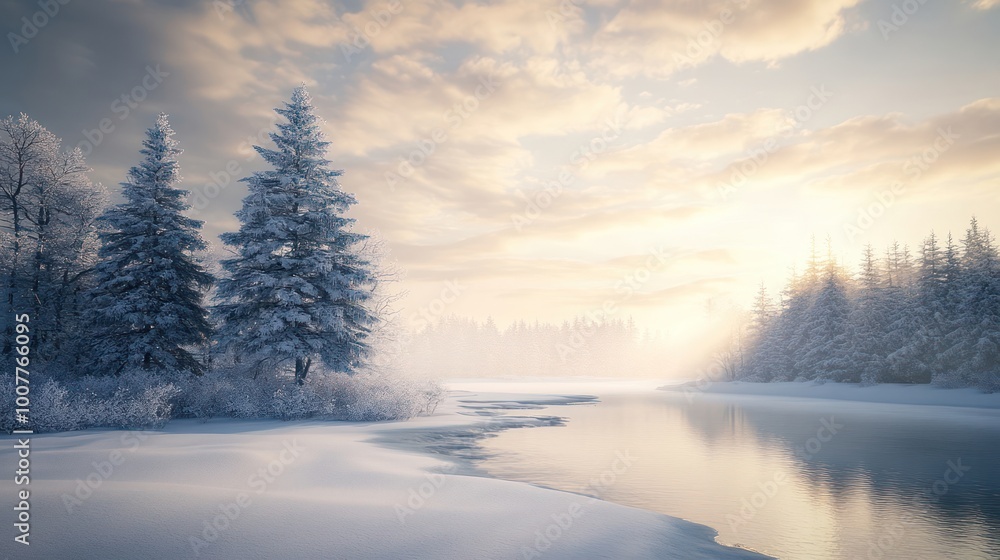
123, 289
930, 317
463, 347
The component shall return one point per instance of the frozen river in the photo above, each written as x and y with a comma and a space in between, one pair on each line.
795, 478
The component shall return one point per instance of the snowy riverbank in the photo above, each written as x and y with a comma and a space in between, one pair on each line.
268, 489
883, 393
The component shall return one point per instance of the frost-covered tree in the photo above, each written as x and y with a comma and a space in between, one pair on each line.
146, 303
902, 327
48, 209
948, 355
825, 330
761, 312
297, 289
977, 345
869, 319
927, 301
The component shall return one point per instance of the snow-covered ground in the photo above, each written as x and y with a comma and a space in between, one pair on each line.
268, 489
884, 393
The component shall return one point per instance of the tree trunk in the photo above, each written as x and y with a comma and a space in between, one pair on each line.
42, 222
13, 195
302, 369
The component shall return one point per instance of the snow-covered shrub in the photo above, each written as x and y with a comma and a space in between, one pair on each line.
130, 402
990, 384
8, 421
53, 410
139, 400
235, 393
148, 408
375, 397
225, 393
955, 380
295, 402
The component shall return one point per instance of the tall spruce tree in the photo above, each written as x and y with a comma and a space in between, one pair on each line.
868, 320
297, 288
979, 310
146, 303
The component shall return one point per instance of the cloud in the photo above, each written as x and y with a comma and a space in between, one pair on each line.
398, 89
496, 28
985, 4
648, 37
872, 152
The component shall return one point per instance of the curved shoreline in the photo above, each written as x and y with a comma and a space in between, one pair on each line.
460, 446
259, 489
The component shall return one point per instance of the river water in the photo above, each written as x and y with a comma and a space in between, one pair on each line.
794, 478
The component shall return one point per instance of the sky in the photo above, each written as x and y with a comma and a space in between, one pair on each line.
543, 159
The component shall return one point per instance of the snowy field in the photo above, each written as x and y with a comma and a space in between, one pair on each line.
270, 489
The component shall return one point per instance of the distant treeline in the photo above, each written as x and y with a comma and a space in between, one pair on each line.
903, 318
462, 347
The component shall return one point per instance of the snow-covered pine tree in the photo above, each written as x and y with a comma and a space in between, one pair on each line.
802, 294
825, 326
785, 338
900, 336
869, 319
928, 299
146, 303
979, 310
297, 288
764, 348
761, 313
948, 357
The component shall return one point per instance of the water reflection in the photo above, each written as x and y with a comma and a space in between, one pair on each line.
797, 478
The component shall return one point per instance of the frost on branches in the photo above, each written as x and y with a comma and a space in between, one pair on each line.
146, 302
296, 291
48, 207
